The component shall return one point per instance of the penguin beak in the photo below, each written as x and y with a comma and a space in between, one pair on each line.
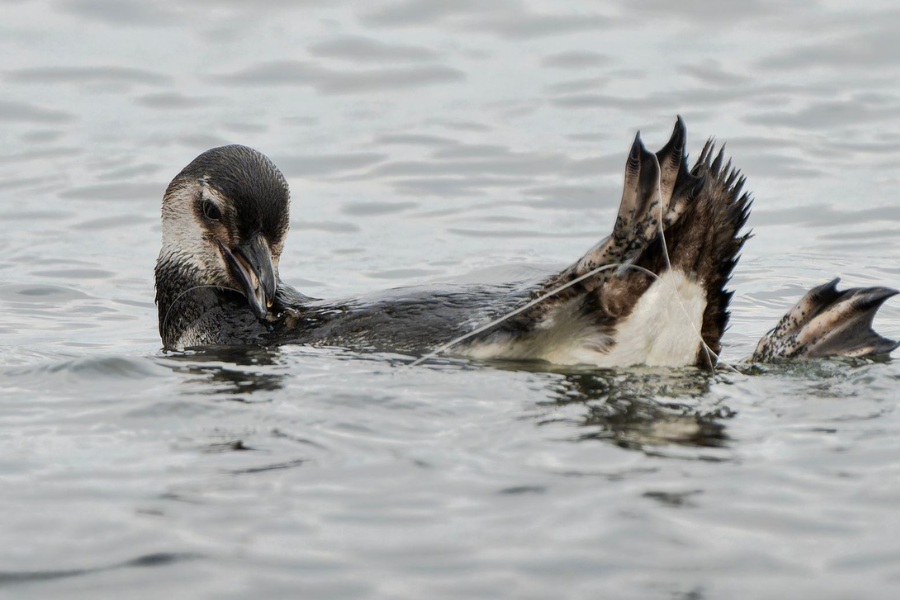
251, 265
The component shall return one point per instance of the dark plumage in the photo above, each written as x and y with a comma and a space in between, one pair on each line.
251, 181
225, 217
702, 211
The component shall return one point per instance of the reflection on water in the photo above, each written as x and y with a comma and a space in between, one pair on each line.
162, 559
216, 371
635, 409
427, 141
639, 411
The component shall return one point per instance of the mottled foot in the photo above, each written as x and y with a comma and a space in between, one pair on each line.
828, 322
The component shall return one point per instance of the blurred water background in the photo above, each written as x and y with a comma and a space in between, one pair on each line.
435, 141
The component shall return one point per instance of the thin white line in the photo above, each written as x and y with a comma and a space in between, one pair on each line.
662, 235
538, 300
178, 297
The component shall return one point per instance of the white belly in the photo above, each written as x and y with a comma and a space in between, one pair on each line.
664, 327
662, 330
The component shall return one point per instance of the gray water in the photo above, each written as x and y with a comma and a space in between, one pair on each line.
435, 141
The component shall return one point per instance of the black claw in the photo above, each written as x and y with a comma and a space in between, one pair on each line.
874, 297
826, 289
634, 157
679, 133
637, 145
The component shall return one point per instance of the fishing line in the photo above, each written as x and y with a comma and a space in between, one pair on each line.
709, 351
521, 309
178, 297
706, 348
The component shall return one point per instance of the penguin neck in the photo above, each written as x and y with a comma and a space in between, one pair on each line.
181, 300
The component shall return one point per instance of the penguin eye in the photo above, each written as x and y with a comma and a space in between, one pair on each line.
211, 211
